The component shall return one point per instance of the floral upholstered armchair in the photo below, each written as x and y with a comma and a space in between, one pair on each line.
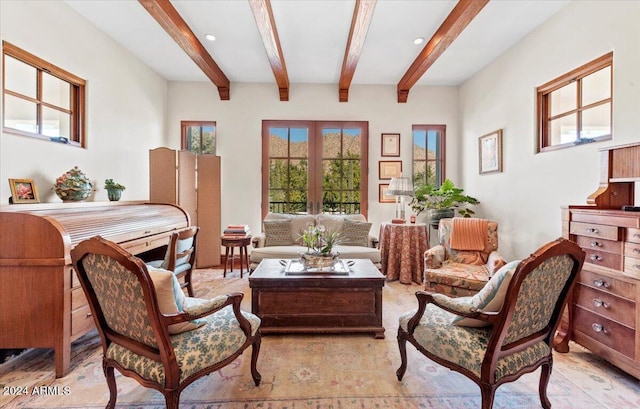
465, 259
151, 331
506, 330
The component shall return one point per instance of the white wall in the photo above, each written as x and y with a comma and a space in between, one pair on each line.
527, 196
239, 124
126, 104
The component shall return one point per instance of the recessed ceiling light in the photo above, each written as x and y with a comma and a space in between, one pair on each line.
210, 37
418, 40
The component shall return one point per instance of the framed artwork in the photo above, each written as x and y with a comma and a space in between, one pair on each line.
383, 196
490, 152
388, 169
23, 191
390, 144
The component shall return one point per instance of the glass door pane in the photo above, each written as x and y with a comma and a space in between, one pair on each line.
288, 169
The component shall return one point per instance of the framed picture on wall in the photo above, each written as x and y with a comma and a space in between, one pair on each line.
390, 144
383, 196
490, 152
23, 191
388, 169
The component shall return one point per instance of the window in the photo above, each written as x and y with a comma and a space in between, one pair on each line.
576, 107
428, 154
40, 99
199, 136
314, 167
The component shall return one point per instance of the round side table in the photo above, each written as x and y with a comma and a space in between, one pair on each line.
230, 242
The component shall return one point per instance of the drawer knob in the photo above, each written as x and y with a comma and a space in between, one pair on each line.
600, 304
599, 328
592, 230
601, 283
595, 257
89, 314
595, 244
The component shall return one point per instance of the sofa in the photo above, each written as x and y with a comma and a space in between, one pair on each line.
280, 237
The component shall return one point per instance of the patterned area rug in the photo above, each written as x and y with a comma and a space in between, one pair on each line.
315, 372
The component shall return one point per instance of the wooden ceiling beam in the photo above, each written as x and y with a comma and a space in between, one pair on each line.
459, 18
263, 14
362, 14
171, 21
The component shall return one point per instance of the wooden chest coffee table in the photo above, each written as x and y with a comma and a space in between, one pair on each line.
319, 302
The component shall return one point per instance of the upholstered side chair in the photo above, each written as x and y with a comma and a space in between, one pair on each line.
151, 331
498, 346
465, 258
180, 256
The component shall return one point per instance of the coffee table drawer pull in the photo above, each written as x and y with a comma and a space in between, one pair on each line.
601, 283
599, 328
600, 304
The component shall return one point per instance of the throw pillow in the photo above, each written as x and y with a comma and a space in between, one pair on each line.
355, 233
171, 298
277, 233
491, 297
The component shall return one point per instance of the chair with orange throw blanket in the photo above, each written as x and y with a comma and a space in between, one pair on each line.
465, 259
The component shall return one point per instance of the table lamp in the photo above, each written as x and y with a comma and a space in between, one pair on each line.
400, 187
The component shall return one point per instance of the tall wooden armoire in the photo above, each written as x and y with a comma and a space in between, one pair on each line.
192, 182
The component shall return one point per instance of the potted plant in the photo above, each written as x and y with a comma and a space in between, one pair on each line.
442, 202
114, 190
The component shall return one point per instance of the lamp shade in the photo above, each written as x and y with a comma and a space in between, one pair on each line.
400, 187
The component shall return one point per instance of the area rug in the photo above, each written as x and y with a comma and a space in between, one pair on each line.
315, 372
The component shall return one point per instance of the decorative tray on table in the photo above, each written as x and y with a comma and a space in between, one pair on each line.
295, 267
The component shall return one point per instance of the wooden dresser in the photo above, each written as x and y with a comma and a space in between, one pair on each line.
605, 307
41, 302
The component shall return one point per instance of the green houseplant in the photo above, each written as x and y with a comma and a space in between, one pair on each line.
114, 190
442, 202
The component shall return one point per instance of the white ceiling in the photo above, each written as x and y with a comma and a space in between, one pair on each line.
313, 35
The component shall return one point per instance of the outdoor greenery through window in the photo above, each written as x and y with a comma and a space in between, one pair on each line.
41, 100
428, 154
199, 136
576, 107
315, 167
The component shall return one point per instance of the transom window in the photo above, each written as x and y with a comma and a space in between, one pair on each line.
314, 167
428, 154
40, 99
199, 136
576, 107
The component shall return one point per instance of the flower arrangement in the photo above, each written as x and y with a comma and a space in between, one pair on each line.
319, 240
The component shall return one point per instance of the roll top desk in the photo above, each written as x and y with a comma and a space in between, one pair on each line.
42, 304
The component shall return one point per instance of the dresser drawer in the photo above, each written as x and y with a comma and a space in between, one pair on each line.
78, 299
633, 235
600, 258
607, 305
81, 321
632, 267
610, 246
632, 250
608, 284
605, 331
594, 230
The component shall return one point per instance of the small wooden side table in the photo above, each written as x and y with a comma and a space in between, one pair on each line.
231, 242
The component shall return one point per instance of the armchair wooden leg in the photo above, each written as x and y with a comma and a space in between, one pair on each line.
255, 350
545, 375
488, 394
402, 345
172, 399
111, 383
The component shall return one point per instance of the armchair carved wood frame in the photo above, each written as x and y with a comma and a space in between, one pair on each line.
135, 335
518, 338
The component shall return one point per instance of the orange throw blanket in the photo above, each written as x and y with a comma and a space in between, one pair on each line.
469, 233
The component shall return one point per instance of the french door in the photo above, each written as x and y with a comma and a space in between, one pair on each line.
314, 167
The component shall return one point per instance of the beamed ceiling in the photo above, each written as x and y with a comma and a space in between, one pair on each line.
341, 42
